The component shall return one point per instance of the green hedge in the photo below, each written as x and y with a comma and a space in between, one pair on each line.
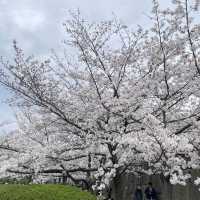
43, 192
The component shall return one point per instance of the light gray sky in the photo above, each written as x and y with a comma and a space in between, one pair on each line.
37, 25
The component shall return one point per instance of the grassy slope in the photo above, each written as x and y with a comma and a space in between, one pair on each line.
43, 192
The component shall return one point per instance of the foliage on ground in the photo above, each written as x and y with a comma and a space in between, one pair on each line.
43, 192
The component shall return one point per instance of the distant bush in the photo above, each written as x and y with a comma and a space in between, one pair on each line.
9, 180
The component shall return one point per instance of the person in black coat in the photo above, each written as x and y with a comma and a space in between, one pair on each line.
138, 193
150, 192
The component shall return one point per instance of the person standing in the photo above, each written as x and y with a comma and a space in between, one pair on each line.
138, 193
150, 192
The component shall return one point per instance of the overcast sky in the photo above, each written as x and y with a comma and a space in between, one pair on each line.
37, 25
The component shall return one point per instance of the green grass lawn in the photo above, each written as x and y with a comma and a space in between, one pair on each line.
43, 192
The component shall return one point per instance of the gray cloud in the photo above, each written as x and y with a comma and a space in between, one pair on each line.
36, 25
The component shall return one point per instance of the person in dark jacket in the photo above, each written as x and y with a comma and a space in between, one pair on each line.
138, 193
150, 192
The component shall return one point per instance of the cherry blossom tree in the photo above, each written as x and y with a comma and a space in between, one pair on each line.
125, 101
